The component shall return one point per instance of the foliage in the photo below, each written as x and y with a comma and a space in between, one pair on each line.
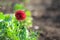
12, 29
18, 7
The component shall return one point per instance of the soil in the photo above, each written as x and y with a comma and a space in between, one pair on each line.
49, 27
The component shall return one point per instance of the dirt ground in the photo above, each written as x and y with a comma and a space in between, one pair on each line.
48, 29
46, 18
48, 24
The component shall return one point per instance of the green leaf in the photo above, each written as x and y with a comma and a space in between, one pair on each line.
28, 22
18, 7
28, 13
7, 17
2, 16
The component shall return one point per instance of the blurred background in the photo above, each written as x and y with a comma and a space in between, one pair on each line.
45, 14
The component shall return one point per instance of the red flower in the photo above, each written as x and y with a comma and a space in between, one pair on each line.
20, 15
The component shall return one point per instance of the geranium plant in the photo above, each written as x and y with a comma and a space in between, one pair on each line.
15, 26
